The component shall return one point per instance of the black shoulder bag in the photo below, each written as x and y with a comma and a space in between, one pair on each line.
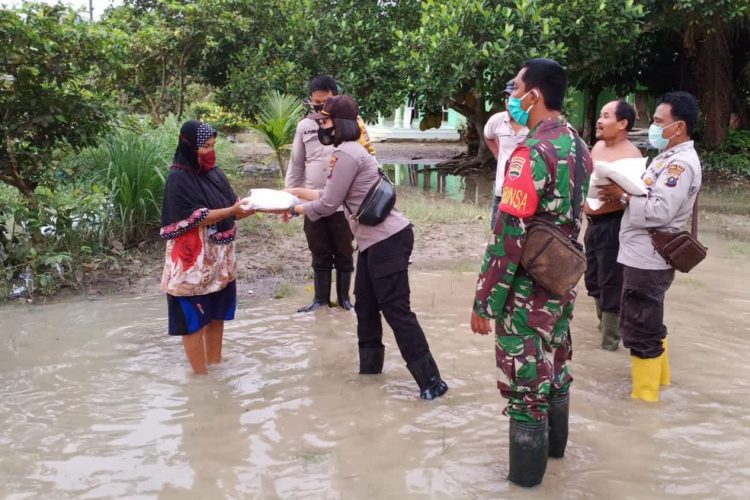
378, 202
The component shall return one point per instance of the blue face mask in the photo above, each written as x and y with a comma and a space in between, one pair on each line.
520, 115
655, 136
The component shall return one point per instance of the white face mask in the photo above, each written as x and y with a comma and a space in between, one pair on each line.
655, 136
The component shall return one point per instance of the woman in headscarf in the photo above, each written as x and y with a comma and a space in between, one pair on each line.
381, 284
197, 222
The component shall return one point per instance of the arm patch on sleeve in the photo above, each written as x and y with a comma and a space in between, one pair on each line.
674, 172
519, 193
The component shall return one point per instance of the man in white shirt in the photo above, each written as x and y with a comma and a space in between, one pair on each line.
502, 135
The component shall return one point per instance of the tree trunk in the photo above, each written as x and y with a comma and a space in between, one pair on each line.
478, 154
716, 86
642, 115
590, 115
181, 97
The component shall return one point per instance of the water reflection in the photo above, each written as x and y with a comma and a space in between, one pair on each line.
475, 188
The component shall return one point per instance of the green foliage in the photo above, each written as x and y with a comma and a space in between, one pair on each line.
359, 55
135, 173
463, 52
219, 118
732, 159
168, 42
55, 88
277, 121
51, 244
600, 53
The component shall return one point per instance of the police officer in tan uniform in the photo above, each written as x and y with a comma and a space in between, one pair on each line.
673, 180
329, 238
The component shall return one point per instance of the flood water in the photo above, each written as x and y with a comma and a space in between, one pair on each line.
477, 188
98, 402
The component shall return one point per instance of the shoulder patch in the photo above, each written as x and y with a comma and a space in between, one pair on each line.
674, 172
519, 193
332, 165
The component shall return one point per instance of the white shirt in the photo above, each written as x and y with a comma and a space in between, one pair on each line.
498, 127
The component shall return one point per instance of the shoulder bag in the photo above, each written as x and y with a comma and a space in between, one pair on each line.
553, 259
378, 202
681, 250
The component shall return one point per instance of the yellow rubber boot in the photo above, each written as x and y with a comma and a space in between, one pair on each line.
646, 375
665, 375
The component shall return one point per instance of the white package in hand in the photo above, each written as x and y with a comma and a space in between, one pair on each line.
269, 199
627, 173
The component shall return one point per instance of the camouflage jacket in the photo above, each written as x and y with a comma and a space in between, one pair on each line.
539, 181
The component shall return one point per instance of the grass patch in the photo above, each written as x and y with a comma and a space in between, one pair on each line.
738, 250
270, 226
284, 290
423, 209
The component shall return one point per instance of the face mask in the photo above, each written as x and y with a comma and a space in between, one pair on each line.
312, 108
207, 160
655, 136
325, 136
520, 115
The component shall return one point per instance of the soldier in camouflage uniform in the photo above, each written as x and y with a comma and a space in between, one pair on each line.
533, 341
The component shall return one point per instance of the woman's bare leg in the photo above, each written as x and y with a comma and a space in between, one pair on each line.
213, 334
196, 351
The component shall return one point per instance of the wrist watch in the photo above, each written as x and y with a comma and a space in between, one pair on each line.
294, 212
624, 199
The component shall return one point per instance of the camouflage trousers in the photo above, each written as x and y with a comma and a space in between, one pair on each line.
530, 369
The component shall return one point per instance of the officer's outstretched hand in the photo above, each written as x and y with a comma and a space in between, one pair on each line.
480, 325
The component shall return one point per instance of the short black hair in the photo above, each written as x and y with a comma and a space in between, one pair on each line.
549, 77
325, 83
345, 130
624, 111
684, 107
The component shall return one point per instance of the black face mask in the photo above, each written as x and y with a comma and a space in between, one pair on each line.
325, 136
311, 108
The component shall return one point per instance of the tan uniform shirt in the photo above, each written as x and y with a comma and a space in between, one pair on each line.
351, 174
308, 164
673, 180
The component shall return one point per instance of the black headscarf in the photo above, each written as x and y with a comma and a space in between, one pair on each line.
190, 188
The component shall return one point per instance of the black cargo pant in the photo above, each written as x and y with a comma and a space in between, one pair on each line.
642, 310
330, 242
603, 276
382, 285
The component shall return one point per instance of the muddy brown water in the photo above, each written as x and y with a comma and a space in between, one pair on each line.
98, 402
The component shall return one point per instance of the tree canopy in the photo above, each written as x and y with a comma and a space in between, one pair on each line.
55, 88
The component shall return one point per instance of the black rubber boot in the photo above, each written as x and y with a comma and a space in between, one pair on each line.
322, 281
559, 411
427, 375
528, 452
371, 360
610, 330
343, 282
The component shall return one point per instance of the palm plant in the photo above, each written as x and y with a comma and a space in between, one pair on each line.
277, 121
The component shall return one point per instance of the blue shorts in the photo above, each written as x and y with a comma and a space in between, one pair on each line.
190, 314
